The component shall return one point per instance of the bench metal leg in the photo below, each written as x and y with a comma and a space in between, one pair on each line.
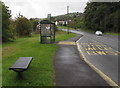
18, 70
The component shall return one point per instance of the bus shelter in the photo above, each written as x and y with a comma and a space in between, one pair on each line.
47, 32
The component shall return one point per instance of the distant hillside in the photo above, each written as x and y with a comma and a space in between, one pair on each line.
74, 19
68, 16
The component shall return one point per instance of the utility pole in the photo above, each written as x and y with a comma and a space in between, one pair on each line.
68, 19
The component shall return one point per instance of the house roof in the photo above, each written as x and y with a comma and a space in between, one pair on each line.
46, 22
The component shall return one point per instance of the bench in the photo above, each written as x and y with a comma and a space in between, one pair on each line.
21, 64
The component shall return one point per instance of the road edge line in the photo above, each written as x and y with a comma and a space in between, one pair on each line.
105, 77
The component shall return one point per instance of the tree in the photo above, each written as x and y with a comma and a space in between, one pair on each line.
102, 16
6, 31
35, 23
23, 26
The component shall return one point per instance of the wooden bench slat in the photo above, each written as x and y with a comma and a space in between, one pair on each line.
21, 63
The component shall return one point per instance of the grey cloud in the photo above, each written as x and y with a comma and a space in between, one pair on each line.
40, 9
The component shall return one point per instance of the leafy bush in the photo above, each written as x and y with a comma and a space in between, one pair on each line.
23, 26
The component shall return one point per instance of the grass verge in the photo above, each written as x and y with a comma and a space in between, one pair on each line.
64, 27
110, 33
41, 70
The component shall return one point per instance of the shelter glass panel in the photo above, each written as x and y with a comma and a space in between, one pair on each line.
45, 30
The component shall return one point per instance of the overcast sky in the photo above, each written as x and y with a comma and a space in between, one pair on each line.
40, 8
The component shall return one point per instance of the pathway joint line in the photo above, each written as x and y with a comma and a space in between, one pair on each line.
105, 77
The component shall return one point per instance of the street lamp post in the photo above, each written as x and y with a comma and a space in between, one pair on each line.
68, 19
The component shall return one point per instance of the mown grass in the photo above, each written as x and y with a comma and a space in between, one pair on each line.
64, 27
110, 33
41, 70
64, 35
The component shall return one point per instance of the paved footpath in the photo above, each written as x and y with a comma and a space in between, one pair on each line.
71, 70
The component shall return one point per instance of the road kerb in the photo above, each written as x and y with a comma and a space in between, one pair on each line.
105, 77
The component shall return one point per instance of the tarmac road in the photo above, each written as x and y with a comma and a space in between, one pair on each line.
101, 51
111, 40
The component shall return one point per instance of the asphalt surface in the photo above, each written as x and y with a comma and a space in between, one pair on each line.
111, 40
102, 51
107, 61
71, 70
